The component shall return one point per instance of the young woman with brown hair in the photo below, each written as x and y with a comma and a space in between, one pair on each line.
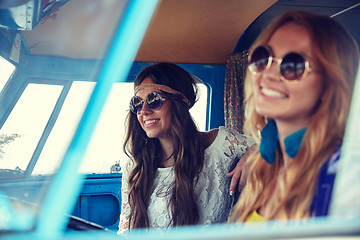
176, 174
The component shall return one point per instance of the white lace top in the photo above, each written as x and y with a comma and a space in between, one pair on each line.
211, 191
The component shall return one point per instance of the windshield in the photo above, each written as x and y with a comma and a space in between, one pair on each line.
66, 79
36, 105
41, 111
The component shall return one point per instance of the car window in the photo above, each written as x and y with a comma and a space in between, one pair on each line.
25, 125
104, 153
6, 70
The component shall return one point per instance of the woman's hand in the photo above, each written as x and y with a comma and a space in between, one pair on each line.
239, 173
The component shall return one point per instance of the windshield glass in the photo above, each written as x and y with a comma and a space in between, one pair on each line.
41, 109
6, 71
36, 105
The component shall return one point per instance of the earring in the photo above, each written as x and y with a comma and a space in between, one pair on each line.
293, 142
269, 141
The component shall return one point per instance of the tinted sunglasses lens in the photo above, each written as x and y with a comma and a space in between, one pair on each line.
136, 105
292, 66
259, 59
154, 100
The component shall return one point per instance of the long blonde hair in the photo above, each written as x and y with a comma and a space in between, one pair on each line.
337, 54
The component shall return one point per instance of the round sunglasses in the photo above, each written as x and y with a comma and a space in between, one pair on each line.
292, 67
153, 100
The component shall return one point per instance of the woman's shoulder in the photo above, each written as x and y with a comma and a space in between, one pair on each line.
214, 135
226, 137
231, 135
209, 137
126, 166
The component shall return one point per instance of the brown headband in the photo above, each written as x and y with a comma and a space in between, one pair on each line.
162, 88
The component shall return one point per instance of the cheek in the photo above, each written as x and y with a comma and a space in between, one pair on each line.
166, 109
139, 118
309, 95
255, 84
168, 122
318, 94
165, 114
316, 87
167, 117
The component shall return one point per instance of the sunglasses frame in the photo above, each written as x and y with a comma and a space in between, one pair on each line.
272, 59
131, 105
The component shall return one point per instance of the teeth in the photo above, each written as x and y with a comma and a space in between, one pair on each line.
150, 121
272, 93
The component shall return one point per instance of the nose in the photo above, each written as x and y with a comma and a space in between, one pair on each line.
145, 109
272, 72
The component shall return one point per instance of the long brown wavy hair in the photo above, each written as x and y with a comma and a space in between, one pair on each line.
337, 54
146, 153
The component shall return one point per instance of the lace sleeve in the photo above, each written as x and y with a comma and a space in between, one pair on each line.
124, 224
212, 188
237, 144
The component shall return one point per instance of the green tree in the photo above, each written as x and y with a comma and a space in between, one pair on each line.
5, 139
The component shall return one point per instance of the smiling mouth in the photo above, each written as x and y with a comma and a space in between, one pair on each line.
272, 93
149, 122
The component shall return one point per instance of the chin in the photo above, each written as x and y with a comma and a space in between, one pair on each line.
152, 135
264, 112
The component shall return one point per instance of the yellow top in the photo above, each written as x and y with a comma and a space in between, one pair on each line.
254, 217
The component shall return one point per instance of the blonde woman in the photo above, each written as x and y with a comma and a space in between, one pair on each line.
302, 72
